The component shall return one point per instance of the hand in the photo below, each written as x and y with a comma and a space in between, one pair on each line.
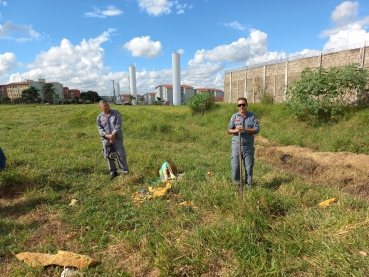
239, 128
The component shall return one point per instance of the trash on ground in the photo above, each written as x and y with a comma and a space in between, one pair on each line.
73, 202
166, 172
210, 173
159, 191
68, 271
188, 204
152, 192
363, 253
62, 258
328, 202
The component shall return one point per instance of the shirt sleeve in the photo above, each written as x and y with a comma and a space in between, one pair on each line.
100, 128
256, 125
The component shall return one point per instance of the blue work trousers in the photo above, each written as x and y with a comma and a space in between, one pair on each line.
248, 161
121, 153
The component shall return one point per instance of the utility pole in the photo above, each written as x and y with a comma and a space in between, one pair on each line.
114, 100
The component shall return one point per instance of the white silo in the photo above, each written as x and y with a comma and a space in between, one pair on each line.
132, 82
117, 92
176, 79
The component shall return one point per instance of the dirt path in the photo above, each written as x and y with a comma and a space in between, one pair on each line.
347, 171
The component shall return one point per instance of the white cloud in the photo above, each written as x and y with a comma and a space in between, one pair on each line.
180, 8
109, 11
273, 56
9, 29
201, 75
143, 47
2, 3
180, 51
269, 56
348, 29
7, 62
151, 79
238, 51
234, 25
156, 7
80, 66
345, 12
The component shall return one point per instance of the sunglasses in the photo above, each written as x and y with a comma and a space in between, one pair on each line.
241, 105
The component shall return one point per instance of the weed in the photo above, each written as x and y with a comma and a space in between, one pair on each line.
274, 229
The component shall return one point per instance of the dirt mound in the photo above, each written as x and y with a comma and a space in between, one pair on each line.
347, 171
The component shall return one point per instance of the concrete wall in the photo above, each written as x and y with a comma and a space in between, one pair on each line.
272, 77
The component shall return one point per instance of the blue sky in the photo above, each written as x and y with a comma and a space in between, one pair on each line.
84, 44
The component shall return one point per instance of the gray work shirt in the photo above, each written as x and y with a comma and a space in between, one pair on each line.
111, 124
249, 121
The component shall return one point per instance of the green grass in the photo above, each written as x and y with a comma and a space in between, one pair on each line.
276, 229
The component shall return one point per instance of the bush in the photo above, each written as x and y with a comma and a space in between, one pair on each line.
321, 94
5, 100
201, 103
266, 98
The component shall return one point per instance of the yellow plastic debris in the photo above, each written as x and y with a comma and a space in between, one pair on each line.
159, 191
188, 203
62, 258
73, 202
328, 202
153, 192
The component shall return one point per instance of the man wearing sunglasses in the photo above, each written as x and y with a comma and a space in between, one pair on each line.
244, 124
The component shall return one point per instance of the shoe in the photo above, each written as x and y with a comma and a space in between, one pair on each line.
124, 172
248, 186
113, 175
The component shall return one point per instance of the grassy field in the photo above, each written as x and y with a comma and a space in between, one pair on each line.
275, 229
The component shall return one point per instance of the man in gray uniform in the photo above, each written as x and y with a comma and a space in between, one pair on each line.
109, 125
246, 124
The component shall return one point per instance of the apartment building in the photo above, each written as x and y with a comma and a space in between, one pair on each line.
14, 90
125, 97
3, 91
149, 97
165, 93
71, 93
58, 93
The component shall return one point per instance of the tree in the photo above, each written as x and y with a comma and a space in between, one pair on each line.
31, 95
57, 98
93, 96
49, 93
200, 103
321, 94
5, 100
75, 100
131, 98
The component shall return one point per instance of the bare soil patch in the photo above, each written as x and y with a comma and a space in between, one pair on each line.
346, 171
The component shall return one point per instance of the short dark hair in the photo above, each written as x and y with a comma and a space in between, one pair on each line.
242, 98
